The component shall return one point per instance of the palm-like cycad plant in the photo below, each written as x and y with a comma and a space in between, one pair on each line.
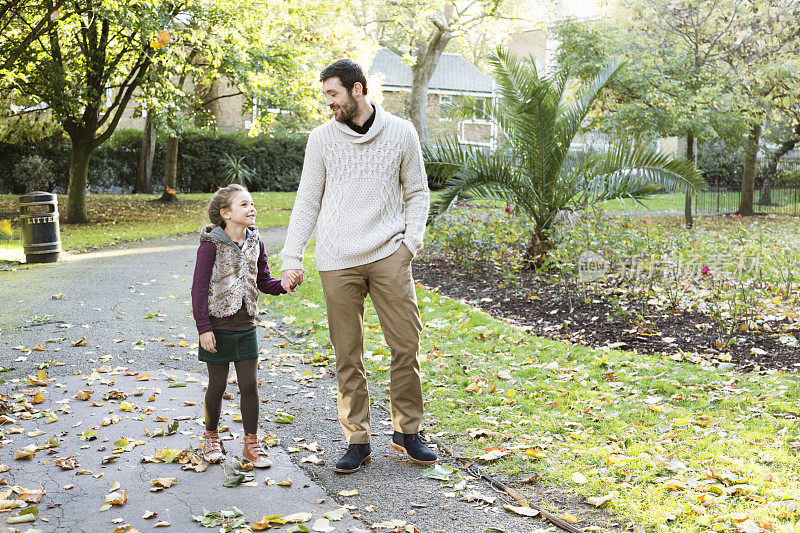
235, 170
535, 170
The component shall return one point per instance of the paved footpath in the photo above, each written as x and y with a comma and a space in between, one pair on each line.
104, 392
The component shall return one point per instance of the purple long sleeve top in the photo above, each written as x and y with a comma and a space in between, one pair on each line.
206, 255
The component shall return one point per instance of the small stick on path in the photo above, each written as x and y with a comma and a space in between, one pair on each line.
553, 519
518, 498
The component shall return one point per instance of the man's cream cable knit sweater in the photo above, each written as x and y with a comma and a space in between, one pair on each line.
365, 194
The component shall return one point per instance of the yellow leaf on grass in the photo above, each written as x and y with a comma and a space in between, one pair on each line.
765, 523
535, 453
579, 478
739, 517
748, 526
706, 499
566, 517
494, 453
675, 484
599, 501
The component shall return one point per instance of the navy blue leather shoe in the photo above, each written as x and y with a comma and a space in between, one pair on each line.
411, 445
357, 455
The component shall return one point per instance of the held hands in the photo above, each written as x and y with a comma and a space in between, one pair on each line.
208, 341
290, 279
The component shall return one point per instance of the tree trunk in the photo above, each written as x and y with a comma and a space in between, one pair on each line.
687, 205
772, 166
78, 177
171, 172
419, 104
766, 191
749, 174
144, 173
537, 248
428, 54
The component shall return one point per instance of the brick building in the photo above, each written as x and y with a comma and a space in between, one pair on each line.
226, 104
454, 75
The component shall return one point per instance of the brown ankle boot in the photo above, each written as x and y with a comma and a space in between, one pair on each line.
254, 453
212, 447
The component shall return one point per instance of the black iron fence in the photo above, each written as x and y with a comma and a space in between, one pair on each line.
783, 199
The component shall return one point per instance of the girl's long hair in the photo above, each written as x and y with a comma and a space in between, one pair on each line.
222, 200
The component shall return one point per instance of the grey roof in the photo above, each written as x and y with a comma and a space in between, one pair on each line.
453, 73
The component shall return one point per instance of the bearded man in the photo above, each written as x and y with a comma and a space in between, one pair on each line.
365, 190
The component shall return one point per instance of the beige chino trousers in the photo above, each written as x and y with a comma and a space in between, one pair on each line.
390, 284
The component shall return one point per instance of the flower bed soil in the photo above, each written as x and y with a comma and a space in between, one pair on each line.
555, 312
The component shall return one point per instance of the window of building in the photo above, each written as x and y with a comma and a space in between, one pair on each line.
445, 100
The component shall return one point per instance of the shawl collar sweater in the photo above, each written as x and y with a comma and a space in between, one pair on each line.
365, 194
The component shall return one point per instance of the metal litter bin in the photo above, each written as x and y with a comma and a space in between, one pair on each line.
38, 214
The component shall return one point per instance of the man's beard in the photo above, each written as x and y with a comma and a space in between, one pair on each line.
347, 111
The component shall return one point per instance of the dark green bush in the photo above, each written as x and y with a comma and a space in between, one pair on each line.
36, 172
720, 165
276, 160
788, 177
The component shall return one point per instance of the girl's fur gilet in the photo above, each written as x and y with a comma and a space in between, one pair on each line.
233, 278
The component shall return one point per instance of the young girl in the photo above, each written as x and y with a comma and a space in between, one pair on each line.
231, 268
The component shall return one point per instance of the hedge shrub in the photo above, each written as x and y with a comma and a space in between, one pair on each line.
720, 164
276, 160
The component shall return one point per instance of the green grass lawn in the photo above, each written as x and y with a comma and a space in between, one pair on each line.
129, 217
677, 446
658, 202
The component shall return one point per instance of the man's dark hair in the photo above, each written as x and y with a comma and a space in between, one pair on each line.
348, 72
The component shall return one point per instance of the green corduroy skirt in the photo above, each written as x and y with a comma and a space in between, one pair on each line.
231, 346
